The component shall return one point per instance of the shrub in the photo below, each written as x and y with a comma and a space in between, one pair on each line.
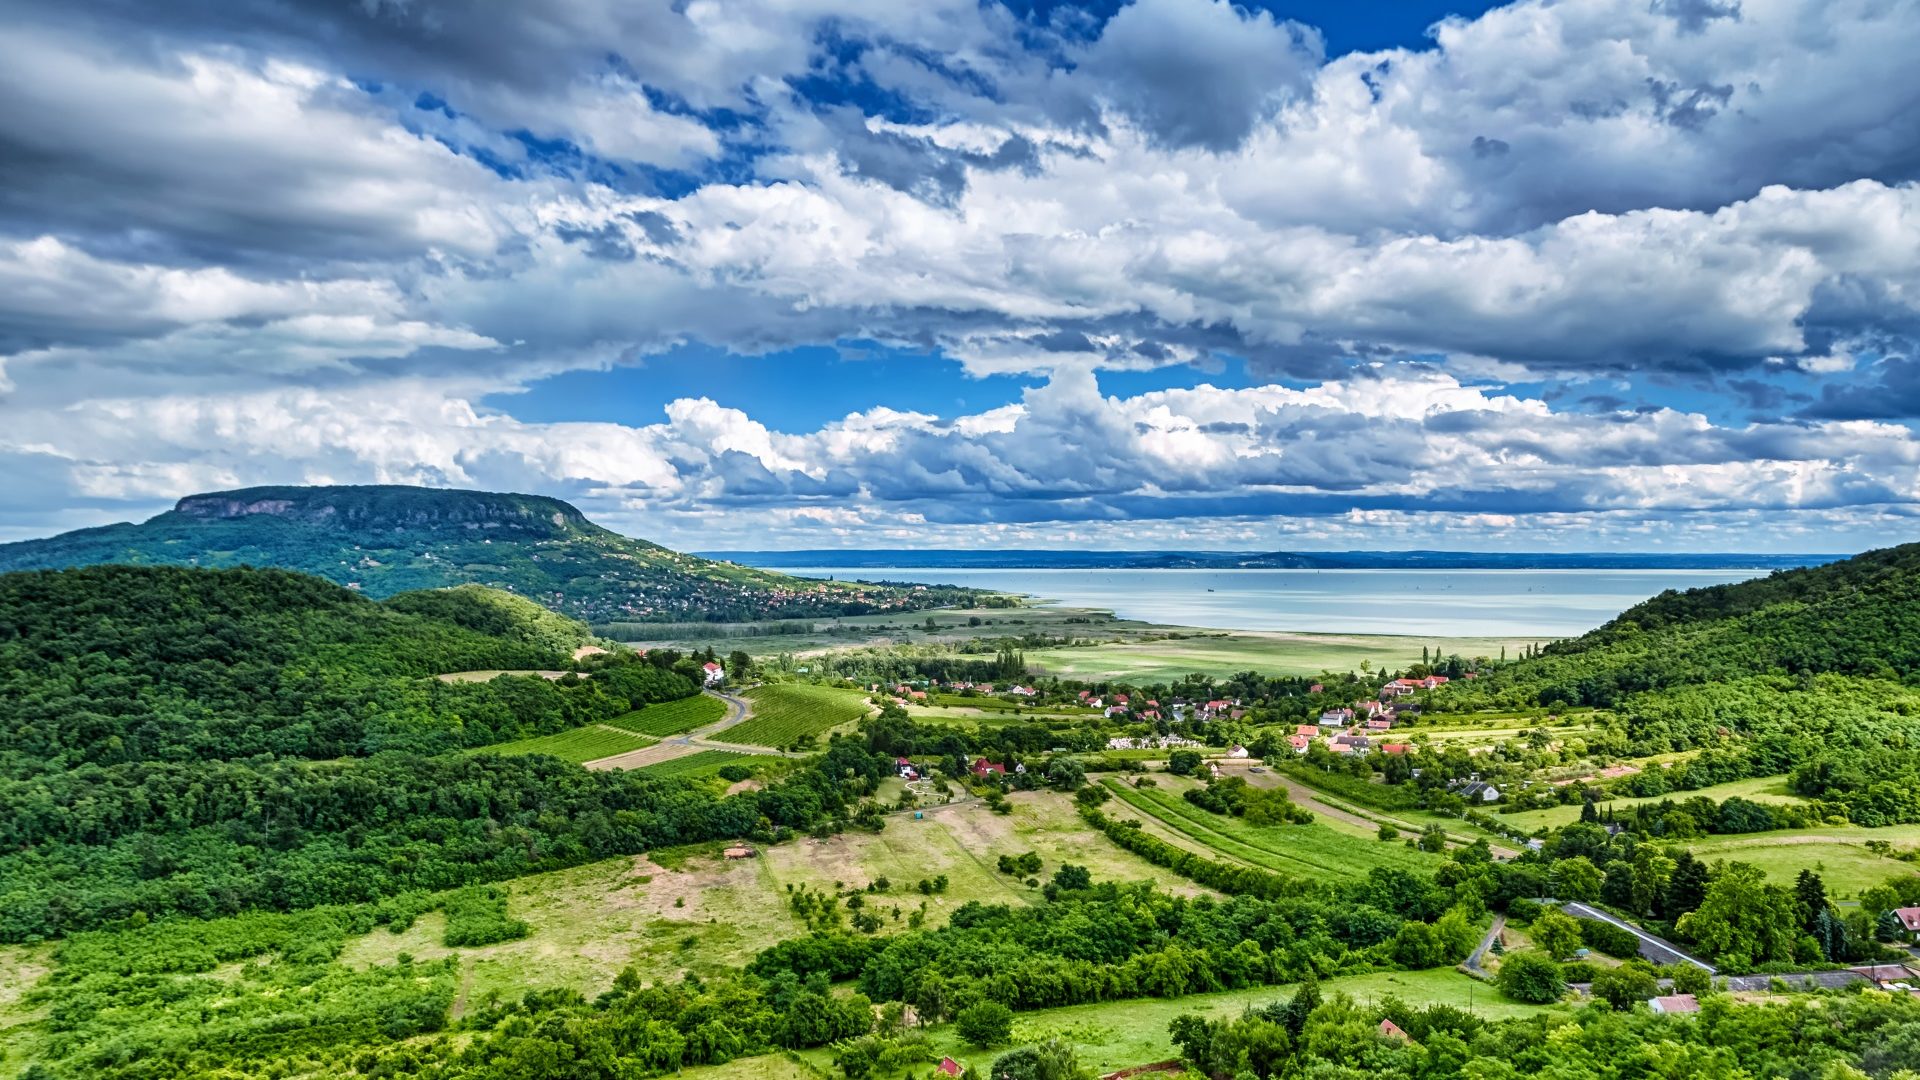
1622, 986
985, 1024
1610, 939
477, 915
1531, 977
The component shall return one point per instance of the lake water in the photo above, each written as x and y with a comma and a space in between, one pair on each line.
1449, 603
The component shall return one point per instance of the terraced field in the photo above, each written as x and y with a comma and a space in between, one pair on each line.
783, 712
1307, 850
581, 744
673, 717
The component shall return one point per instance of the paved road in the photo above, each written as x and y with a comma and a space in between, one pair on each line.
1319, 804
1658, 950
1473, 959
700, 738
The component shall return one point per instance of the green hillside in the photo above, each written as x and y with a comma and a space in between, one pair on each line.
383, 540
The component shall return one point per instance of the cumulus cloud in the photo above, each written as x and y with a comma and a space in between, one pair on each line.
298, 241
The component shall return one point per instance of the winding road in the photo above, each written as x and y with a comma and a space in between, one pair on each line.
739, 710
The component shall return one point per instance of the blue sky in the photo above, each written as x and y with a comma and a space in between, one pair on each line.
1548, 275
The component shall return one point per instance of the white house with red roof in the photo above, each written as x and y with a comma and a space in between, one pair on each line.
714, 672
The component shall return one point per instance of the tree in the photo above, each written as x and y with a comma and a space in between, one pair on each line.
1052, 1059
1531, 977
1556, 934
1184, 762
1622, 986
1811, 894
1743, 919
1686, 885
1690, 979
1576, 879
985, 1024
739, 666
1070, 877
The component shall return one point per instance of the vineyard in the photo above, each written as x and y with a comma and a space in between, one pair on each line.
1301, 850
673, 717
581, 744
783, 712
703, 763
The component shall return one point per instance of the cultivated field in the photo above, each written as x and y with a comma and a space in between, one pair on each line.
783, 712
1225, 654
673, 717
1838, 854
1316, 850
703, 763
582, 744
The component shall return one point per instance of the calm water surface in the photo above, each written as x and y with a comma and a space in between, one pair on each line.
1453, 603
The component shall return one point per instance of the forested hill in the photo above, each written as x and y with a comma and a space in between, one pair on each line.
111, 665
1860, 616
384, 540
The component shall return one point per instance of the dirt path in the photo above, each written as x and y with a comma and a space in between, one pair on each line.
466, 983
1473, 959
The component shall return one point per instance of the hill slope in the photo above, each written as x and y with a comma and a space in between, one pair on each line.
1860, 616
111, 665
384, 540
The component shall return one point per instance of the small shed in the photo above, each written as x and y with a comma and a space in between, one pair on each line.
738, 851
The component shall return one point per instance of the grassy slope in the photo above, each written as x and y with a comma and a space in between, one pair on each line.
1766, 789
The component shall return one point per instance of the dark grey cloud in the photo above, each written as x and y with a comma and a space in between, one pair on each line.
1199, 73
1694, 15
1889, 390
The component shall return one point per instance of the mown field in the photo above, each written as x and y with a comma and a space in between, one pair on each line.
1765, 789
1307, 850
1838, 854
1223, 655
586, 743
673, 717
783, 712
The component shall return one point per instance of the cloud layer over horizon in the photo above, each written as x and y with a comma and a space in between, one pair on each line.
1584, 274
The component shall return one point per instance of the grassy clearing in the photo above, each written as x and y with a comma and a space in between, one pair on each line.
493, 673
673, 717
587, 743
1316, 851
1118, 1034
783, 712
1764, 789
1837, 853
1223, 655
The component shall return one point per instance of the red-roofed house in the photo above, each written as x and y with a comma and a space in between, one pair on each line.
1308, 730
1316, 688
950, 1067
1299, 743
715, 673
1394, 748
1909, 920
983, 768
1675, 1003
1391, 1030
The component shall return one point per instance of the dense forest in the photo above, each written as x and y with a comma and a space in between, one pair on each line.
389, 539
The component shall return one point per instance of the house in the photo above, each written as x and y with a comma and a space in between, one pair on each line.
1395, 748
715, 673
1475, 790
1379, 725
1673, 1004
1309, 730
1391, 1030
1356, 742
950, 1066
983, 768
1316, 688
1909, 920
1299, 743
1336, 718
1237, 752
906, 769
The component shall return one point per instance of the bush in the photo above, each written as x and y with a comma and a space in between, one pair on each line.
1531, 977
477, 915
985, 1024
1622, 986
1578, 971
1556, 934
1521, 909
1184, 762
1388, 832
1688, 979
736, 772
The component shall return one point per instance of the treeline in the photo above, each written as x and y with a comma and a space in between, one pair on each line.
97, 846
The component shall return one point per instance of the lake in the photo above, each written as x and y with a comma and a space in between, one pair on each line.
1449, 603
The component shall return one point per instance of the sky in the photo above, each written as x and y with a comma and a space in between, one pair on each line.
1608, 275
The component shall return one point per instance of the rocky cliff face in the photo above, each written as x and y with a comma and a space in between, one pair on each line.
389, 507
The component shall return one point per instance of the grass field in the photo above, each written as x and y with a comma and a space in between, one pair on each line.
1764, 789
1316, 850
673, 717
581, 744
1117, 1034
1223, 655
1837, 853
783, 712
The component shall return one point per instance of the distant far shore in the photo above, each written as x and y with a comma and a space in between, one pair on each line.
1051, 559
